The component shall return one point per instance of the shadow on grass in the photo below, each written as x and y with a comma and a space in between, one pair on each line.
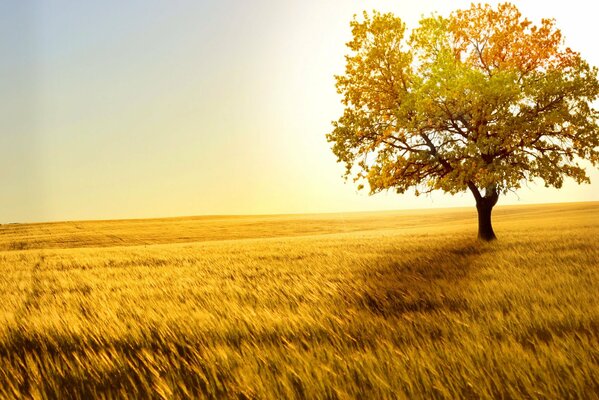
423, 282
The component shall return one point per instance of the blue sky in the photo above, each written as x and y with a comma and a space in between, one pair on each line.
112, 109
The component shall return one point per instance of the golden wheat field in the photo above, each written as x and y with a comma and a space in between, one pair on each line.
381, 305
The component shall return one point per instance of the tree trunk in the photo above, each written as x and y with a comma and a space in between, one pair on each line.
484, 206
485, 228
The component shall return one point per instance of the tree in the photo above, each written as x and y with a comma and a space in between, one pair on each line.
481, 100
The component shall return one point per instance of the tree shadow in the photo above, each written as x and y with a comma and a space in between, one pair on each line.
423, 282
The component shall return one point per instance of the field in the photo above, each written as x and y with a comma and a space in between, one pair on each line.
365, 305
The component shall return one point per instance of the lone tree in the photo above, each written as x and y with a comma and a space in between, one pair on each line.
481, 100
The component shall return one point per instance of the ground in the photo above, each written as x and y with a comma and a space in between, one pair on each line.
366, 305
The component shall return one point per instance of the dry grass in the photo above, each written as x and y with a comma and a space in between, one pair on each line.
382, 305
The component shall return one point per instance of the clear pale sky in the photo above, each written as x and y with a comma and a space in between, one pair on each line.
145, 108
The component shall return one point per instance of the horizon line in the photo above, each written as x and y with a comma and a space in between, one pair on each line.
296, 214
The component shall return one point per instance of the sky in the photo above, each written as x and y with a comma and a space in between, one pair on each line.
145, 108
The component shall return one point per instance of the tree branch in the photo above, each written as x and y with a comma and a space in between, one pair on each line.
475, 191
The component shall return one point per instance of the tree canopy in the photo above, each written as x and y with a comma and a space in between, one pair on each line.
482, 99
